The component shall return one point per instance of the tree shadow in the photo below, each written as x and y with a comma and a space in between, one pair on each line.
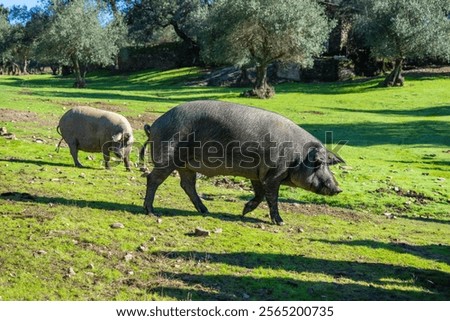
334, 88
376, 280
436, 252
111, 206
44, 163
381, 133
423, 112
425, 219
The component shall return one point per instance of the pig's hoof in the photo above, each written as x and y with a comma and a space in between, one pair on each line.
278, 222
153, 214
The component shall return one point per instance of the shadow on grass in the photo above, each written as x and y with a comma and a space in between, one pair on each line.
436, 252
382, 133
423, 112
426, 219
111, 206
238, 288
43, 163
377, 281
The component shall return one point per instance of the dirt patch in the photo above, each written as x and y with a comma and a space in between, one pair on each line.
321, 209
416, 196
11, 115
138, 122
229, 183
95, 104
25, 92
314, 112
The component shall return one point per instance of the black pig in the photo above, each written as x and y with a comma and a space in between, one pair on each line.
220, 138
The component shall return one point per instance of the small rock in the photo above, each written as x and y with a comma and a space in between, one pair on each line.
201, 232
346, 168
153, 239
82, 175
396, 189
389, 216
90, 266
142, 248
41, 252
349, 237
128, 257
300, 230
245, 296
218, 231
71, 271
159, 220
440, 179
90, 274
261, 226
130, 273
90, 157
10, 136
3, 131
55, 180
117, 225
39, 141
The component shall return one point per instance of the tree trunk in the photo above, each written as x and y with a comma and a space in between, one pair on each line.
25, 66
55, 69
192, 44
262, 88
80, 81
243, 80
395, 78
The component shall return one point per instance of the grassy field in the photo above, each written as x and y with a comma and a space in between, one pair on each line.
386, 237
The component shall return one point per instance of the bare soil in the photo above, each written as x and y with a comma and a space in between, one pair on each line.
138, 122
10, 115
95, 104
429, 71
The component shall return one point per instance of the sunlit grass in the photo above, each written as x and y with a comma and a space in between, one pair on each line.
396, 145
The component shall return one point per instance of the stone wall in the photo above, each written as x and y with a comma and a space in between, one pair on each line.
335, 68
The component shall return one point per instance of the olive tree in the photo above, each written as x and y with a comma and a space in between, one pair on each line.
401, 29
260, 32
80, 36
148, 19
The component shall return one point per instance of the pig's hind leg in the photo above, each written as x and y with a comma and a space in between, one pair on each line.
188, 179
73, 146
154, 179
257, 199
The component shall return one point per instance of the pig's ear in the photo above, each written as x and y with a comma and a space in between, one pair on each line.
333, 159
117, 137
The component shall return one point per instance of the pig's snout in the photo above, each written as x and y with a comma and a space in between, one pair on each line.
330, 189
337, 191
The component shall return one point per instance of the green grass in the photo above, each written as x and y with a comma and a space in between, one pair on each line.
55, 217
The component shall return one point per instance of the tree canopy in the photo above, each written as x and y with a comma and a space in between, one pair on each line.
259, 32
78, 36
399, 29
82, 34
